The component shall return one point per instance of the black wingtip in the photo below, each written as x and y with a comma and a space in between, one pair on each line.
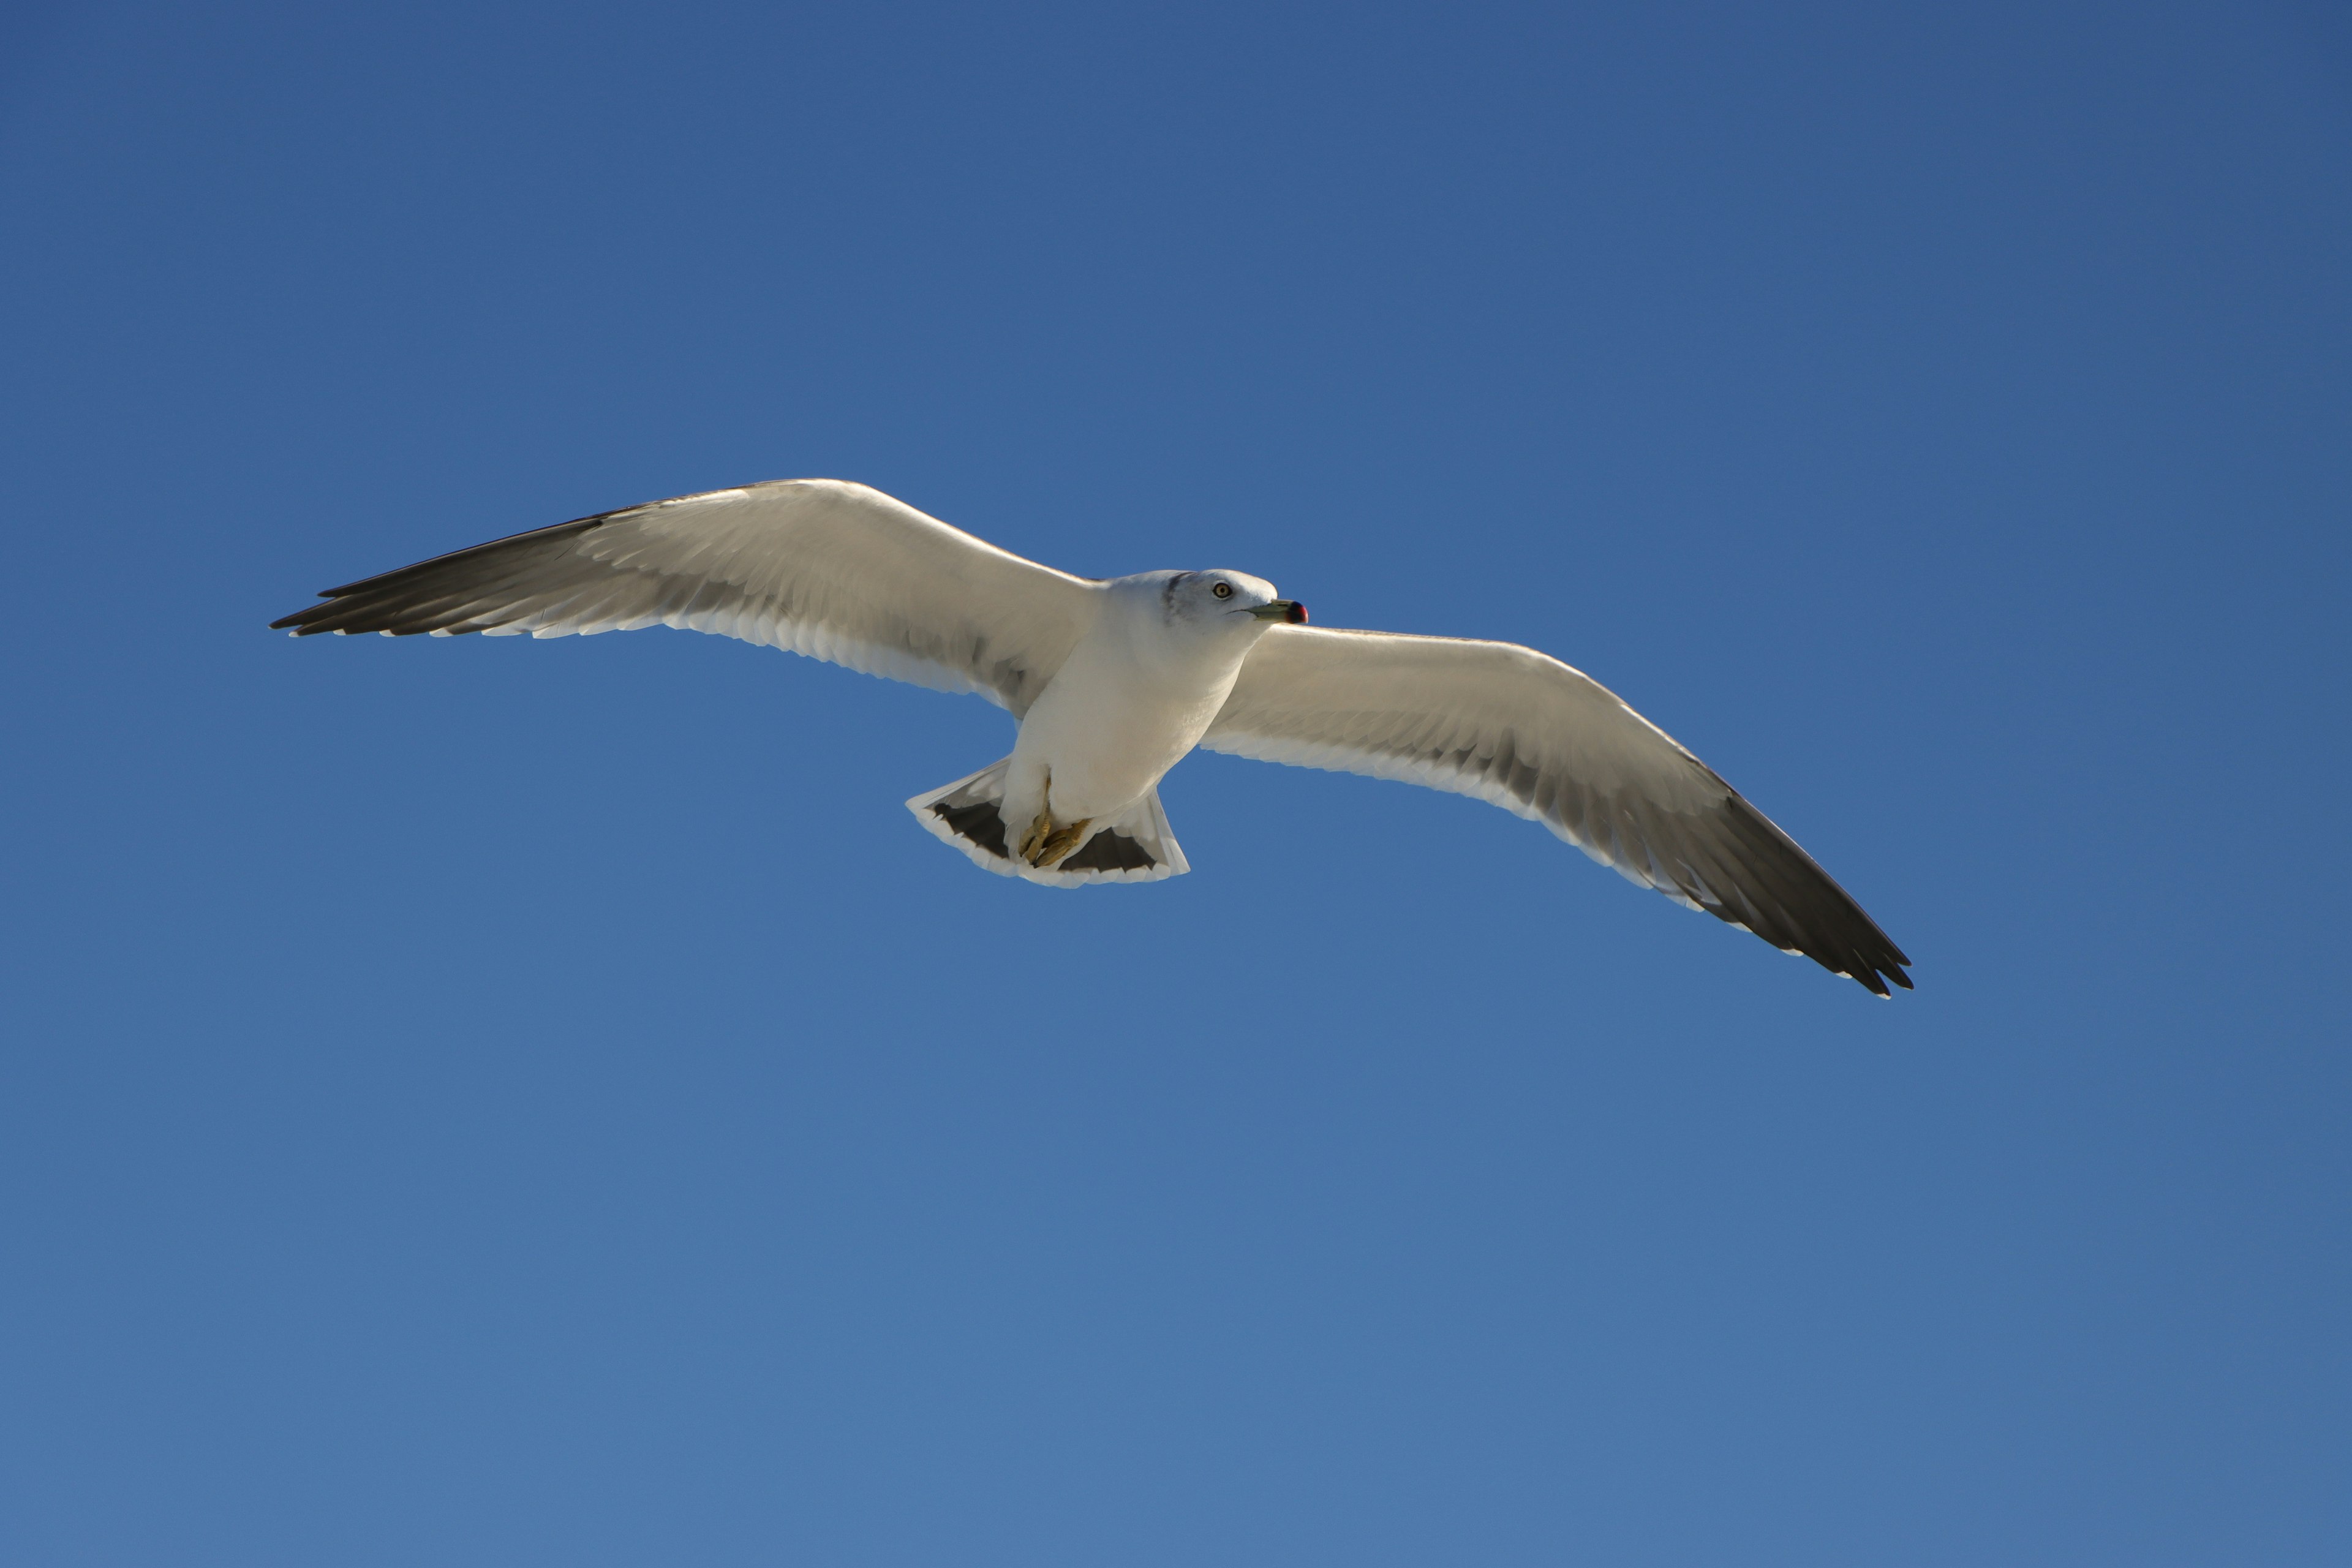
304, 622
1874, 972
434, 594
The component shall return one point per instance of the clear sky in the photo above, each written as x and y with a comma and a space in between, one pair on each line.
505, 1102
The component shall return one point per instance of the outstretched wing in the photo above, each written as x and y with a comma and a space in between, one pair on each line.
1524, 731
831, 570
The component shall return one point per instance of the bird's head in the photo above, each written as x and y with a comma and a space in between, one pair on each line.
1227, 601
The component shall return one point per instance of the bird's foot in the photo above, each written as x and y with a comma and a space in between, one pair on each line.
1043, 842
1060, 841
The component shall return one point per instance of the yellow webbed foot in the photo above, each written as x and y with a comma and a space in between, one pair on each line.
1060, 842
1038, 832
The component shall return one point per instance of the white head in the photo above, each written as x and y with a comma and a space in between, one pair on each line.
1221, 603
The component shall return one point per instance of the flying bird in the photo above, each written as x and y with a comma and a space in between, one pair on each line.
1114, 680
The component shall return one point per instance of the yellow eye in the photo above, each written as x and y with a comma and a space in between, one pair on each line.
1223, 590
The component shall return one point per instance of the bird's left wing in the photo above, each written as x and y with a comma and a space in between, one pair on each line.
821, 567
1520, 729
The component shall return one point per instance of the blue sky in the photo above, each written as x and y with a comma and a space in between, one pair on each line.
495, 1102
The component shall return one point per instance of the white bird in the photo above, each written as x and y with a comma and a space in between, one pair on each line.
1113, 681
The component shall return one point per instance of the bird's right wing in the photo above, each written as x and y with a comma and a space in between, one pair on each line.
821, 567
1520, 729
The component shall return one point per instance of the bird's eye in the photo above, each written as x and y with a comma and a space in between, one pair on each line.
1223, 590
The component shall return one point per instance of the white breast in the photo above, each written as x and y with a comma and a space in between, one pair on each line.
1134, 696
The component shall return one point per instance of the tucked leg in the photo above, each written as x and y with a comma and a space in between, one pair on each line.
1046, 842
1060, 842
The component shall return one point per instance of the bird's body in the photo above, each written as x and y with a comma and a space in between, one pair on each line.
1114, 681
1136, 694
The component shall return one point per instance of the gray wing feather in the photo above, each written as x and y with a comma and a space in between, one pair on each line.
1528, 734
821, 567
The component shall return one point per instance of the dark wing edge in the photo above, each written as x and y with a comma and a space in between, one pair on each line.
448, 592
1730, 860
1770, 886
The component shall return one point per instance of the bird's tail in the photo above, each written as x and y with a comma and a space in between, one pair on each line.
1136, 845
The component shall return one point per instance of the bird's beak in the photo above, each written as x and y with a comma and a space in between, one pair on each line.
1289, 610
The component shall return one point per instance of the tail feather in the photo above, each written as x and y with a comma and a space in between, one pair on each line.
1134, 846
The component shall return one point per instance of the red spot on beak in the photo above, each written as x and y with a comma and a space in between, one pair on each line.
1297, 616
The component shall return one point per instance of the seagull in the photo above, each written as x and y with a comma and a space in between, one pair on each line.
1113, 680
